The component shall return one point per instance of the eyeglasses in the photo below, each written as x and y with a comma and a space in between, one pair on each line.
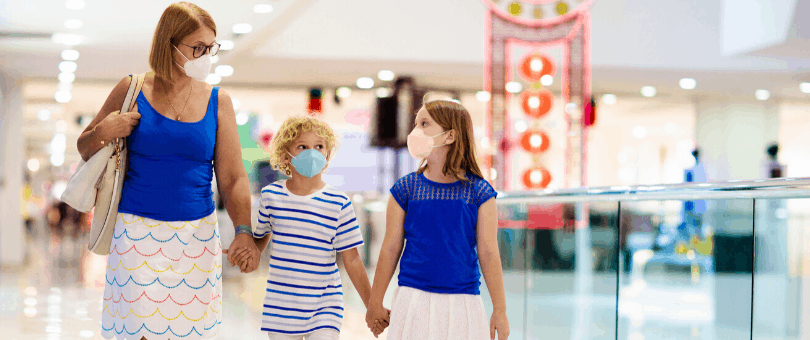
201, 50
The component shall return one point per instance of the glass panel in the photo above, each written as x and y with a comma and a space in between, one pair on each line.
572, 280
781, 233
686, 269
512, 246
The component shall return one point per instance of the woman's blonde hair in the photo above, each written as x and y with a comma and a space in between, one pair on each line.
461, 156
178, 21
290, 130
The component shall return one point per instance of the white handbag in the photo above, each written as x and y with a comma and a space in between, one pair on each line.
98, 182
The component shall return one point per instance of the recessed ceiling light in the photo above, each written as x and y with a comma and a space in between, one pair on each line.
226, 45
67, 39
242, 118
688, 83
805, 87
242, 28
385, 75
365, 83
74, 4
213, 79
483, 96
762, 94
609, 99
262, 8
63, 96
383, 92
547, 80
344, 92
33, 165
224, 70
521, 126
67, 66
67, 77
514, 87
44, 115
648, 91
639, 132
73, 24
70, 55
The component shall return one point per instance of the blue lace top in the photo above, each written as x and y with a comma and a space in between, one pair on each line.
440, 231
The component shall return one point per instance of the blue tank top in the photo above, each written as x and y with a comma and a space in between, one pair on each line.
170, 165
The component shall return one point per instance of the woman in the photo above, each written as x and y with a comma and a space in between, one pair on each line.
164, 269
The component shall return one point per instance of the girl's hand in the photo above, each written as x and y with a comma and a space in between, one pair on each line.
380, 325
499, 323
377, 316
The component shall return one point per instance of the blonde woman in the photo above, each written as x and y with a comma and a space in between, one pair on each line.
164, 271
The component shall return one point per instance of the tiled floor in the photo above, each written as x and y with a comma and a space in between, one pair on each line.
58, 295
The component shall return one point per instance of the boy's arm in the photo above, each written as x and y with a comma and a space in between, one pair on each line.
262, 242
357, 273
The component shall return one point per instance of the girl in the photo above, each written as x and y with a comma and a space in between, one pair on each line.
445, 210
307, 221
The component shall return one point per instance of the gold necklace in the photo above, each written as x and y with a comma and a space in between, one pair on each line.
165, 95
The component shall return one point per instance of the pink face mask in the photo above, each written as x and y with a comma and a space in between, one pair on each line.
420, 145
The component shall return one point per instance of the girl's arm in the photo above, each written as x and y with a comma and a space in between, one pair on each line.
490, 258
390, 252
357, 273
387, 262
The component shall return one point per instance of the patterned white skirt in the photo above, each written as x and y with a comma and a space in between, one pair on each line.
163, 280
420, 315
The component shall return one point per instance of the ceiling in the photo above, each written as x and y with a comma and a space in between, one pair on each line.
441, 43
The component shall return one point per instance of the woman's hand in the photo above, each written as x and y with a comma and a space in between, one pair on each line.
117, 125
499, 323
243, 252
377, 318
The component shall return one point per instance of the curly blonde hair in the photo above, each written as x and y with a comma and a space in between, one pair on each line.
290, 130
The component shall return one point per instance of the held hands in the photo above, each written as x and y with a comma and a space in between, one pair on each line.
378, 318
117, 125
243, 252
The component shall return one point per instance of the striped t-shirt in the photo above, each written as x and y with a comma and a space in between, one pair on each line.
304, 290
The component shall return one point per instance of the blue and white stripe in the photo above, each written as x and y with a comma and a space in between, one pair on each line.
304, 292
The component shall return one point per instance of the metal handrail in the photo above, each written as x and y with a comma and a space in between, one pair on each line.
735, 189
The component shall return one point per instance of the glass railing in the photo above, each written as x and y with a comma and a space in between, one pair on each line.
692, 261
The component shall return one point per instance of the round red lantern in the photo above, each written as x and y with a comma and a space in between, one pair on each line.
536, 178
535, 141
536, 103
536, 65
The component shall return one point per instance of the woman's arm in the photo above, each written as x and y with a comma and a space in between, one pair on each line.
90, 141
357, 273
386, 264
232, 180
490, 258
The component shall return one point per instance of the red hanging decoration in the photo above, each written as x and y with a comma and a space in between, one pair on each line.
536, 65
535, 141
536, 178
536, 103
315, 104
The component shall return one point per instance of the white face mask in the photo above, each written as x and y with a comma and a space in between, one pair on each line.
198, 68
420, 145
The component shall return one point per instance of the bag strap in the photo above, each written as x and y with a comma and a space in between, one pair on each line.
135, 86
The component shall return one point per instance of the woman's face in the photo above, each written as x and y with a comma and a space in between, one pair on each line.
201, 37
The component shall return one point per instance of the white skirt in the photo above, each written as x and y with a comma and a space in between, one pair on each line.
420, 315
163, 280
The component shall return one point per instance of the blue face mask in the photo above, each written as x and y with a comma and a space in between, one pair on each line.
309, 162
